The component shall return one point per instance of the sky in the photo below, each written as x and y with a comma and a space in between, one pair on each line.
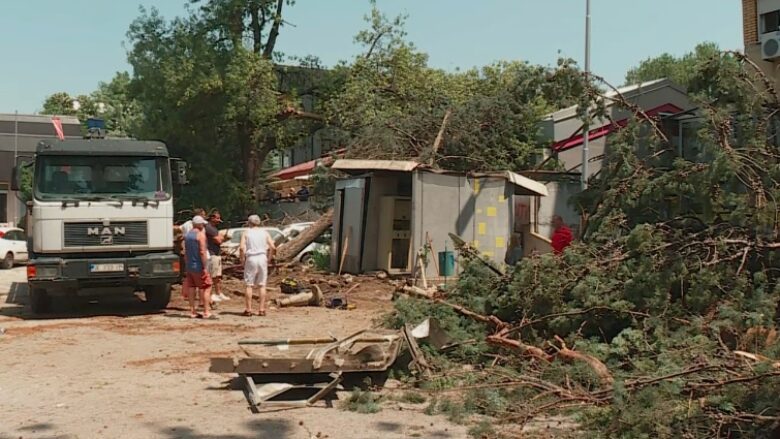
51, 45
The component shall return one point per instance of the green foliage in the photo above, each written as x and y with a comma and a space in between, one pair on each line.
412, 398
677, 268
361, 401
391, 104
110, 101
323, 187
681, 70
413, 311
25, 183
321, 260
213, 99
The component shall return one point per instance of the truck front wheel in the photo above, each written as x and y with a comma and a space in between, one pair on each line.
40, 302
158, 296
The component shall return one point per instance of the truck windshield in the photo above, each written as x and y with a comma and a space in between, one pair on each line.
102, 177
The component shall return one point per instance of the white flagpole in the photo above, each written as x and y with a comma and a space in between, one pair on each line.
585, 154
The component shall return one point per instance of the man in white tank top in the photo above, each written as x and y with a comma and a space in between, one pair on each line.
256, 249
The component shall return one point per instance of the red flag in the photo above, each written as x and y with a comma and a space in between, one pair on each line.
58, 127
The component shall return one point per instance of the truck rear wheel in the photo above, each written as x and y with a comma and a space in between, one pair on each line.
158, 296
40, 302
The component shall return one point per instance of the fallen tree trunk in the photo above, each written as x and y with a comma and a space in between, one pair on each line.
312, 298
289, 250
417, 291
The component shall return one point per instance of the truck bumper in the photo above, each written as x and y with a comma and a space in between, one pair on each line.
72, 275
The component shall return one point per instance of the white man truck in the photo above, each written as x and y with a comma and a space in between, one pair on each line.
101, 220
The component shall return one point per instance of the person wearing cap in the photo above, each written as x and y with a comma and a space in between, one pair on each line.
196, 257
214, 241
255, 250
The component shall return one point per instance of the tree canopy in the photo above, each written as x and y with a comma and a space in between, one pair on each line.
681, 70
210, 85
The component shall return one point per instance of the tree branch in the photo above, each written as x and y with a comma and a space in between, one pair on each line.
268, 51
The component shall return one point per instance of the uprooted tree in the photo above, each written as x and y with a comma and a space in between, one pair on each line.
662, 321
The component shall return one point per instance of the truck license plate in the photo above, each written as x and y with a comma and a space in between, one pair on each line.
105, 268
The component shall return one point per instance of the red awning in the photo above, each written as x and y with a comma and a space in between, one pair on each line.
300, 169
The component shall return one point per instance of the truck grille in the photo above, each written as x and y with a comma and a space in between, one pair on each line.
95, 234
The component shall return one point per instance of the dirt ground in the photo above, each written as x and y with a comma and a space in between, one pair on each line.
111, 369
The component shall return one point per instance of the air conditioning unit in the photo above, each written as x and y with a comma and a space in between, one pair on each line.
770, 46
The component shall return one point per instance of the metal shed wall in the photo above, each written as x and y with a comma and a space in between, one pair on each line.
348, 221
479, 210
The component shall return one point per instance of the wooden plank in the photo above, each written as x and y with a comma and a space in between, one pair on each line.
325, 390
251, 392
223, 365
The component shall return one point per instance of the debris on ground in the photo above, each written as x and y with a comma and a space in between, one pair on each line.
320, 366
312, 297
290, 285
272, 368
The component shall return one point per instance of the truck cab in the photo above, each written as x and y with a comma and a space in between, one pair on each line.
100, 221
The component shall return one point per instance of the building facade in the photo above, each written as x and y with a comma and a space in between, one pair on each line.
564, 128
761, 35
19, 135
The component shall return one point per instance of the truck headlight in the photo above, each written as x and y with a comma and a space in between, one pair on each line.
166, 267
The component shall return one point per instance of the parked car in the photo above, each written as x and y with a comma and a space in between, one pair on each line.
13, 247
319, 245
4, 227
233, 238
295, 229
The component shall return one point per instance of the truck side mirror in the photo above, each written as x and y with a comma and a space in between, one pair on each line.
15, 183
180, 171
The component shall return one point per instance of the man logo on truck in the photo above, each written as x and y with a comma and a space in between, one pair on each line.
106, 234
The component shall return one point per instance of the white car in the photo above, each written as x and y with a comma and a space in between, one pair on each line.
320, 245
294, 230
233, 238
13, 247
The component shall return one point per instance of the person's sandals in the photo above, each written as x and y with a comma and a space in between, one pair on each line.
248, 314
209, 317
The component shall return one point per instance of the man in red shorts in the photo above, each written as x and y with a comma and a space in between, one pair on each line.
196, 259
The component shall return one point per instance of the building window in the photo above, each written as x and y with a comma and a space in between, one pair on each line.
770, 22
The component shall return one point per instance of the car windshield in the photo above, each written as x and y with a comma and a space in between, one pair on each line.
102, 177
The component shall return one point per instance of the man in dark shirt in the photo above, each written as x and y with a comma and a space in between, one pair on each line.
213, 241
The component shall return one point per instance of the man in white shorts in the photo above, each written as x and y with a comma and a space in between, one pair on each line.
256, 249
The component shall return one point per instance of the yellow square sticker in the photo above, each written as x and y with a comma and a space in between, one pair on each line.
482, 228
501, 198
491, 211
475, 244
500, 243
476, 185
